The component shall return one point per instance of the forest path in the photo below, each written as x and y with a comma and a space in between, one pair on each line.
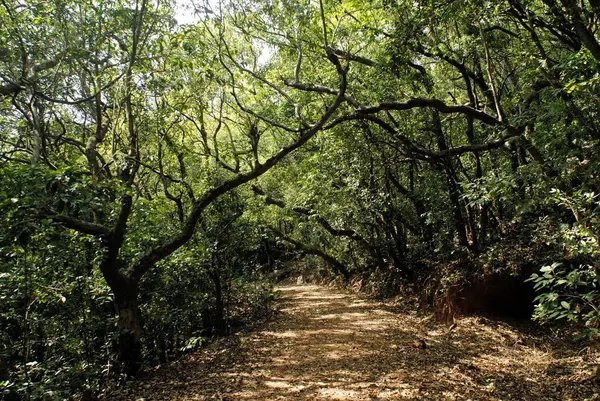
328, 345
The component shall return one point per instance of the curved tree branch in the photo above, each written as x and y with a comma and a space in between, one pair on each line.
333, 262
160, 252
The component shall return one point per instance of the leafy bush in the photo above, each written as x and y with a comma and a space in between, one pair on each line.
570, 293
570, 290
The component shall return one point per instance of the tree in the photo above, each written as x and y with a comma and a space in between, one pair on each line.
118, 107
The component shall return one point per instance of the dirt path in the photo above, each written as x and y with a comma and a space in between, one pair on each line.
327, 345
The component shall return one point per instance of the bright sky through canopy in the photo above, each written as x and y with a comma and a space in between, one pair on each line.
185, 12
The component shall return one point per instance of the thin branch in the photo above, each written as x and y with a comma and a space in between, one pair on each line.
488, 63
81, 226
353, 57
324, 26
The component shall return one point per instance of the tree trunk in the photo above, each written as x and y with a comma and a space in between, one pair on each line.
162, 349
459, 221
270, 261
129, 326
453, 183
220, 324
4, 367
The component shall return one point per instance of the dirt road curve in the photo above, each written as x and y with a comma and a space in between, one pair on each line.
327, 345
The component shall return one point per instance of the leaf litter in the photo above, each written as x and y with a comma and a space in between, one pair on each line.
327, 345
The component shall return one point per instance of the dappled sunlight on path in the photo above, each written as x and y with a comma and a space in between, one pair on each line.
326, 345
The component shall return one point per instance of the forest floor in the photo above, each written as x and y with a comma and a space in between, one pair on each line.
324, 344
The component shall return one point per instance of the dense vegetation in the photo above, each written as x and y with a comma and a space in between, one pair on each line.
155, 175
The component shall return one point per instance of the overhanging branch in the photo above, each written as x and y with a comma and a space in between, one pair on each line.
348, 233
433, 103
81, 226
333, 262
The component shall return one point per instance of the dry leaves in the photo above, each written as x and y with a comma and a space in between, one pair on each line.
326, 345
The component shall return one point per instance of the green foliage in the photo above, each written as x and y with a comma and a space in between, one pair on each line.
56, 314
571, 294
569, 290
